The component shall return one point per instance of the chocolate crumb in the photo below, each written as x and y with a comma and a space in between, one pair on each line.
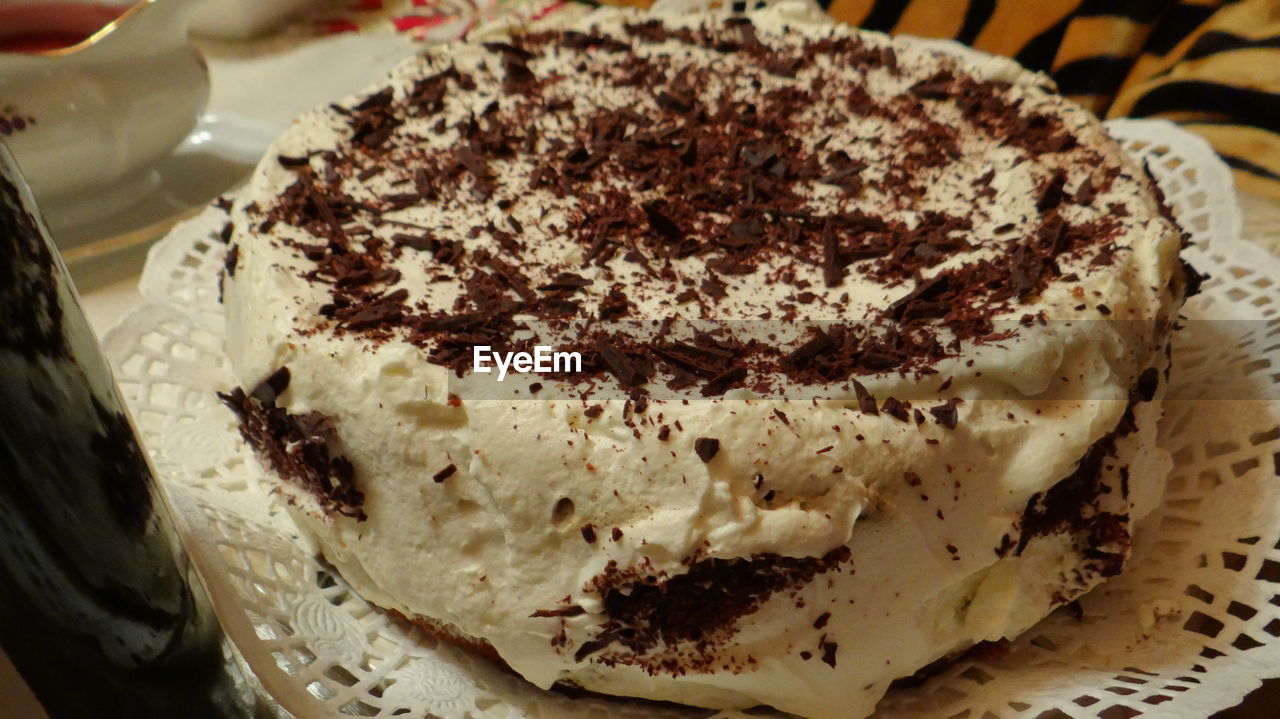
653, 620
303, 449
828, 651
706, 447
1148, 383
866, 402
946, 415
231, 260
896, 408
572, 611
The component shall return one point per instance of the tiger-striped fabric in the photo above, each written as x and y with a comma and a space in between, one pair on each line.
1211, 65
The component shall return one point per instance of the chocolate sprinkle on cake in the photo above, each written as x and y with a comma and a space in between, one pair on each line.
706, 448
302, 449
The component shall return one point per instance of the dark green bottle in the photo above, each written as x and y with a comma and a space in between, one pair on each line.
100, 610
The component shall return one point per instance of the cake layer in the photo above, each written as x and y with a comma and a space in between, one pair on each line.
872, 343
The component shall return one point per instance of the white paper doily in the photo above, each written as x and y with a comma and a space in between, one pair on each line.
1192, 625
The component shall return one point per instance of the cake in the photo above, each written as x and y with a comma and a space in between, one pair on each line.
871, 338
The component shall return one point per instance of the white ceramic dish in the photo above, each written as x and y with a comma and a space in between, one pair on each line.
213, 158
247, 110
94, 114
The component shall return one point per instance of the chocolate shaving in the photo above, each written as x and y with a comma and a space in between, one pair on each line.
1051, 192
946, 414
828, 651
302, 449
921, 302
653, 620
896, 409
231, 259
724, 381
565, 282
866, 403
519, 77
626, 372
706, 448
572, 611
674, 102
1148, 383
661, 224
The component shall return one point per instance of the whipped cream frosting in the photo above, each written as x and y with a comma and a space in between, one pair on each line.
939, 300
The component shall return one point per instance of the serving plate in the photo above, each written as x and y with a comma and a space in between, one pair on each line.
1189, 630
213, 158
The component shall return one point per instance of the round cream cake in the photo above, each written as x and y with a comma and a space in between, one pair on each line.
870, 343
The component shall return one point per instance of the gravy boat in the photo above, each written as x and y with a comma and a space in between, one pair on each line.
86, 121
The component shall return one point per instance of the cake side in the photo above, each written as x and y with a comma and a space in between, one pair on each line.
960, 444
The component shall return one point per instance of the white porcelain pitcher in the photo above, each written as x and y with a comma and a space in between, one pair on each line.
93, 116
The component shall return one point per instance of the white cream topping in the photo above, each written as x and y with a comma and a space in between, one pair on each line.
502, 538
